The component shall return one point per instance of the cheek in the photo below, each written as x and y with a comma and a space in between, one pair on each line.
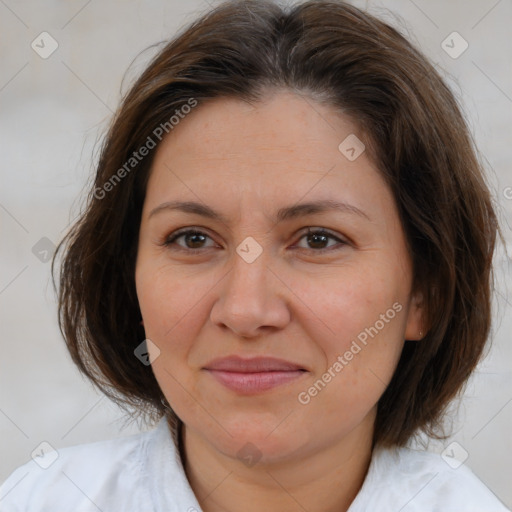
168, 299
171, 306
353, 303
174, 302
364, 309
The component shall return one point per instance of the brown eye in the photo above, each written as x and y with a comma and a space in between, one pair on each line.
318, 240
193, 239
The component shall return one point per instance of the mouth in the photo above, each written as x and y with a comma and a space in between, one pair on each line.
254, 375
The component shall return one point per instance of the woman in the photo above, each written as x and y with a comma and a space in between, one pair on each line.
285, 262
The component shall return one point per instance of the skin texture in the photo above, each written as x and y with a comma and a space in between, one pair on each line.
292, 302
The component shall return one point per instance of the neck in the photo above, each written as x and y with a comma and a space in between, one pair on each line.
322, 480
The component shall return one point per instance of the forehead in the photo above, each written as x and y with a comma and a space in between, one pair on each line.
281, 124
279, 149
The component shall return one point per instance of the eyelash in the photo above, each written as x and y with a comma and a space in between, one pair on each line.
316, 232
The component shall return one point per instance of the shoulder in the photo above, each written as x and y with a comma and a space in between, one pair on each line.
78, 477
412, 480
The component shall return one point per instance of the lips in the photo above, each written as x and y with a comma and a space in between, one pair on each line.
254, 375
252, 365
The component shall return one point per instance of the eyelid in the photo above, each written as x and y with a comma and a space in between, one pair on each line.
314, 230
184, 231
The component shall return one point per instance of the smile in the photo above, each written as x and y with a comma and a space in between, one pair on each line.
256, 375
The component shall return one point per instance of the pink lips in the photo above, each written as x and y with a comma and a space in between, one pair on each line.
248, 376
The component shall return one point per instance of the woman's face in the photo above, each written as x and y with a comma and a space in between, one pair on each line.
330, 310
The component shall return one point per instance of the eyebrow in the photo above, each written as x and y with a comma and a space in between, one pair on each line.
283, 214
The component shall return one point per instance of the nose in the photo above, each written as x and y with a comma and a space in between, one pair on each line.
252, 299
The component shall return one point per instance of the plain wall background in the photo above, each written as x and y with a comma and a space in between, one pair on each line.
53, 111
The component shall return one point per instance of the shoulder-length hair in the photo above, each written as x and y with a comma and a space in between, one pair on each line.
337, 54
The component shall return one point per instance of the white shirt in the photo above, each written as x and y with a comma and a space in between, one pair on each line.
144, 473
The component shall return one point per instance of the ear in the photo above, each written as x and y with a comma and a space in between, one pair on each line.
415, 328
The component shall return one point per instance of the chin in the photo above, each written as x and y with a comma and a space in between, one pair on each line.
253, 437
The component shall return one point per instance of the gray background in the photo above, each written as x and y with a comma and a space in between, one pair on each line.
55, 110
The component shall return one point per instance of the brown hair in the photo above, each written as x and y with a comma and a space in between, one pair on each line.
331, 52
